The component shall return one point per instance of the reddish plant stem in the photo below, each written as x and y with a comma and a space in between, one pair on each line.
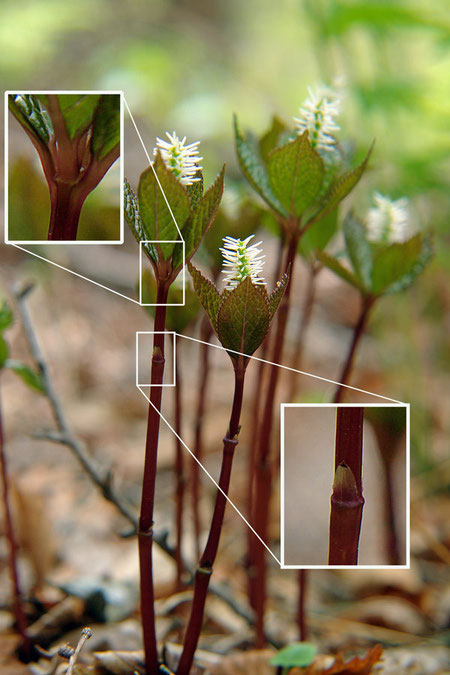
66, 203
305, 319
347, 500
145, 533
204, 369
358, 332
206, 563
256, 411
392, 546
180, 478
264, 464
301, 615
19, 614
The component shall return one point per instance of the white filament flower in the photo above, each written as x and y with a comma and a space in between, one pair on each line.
388, 221
181, 159
241, 260
316, 116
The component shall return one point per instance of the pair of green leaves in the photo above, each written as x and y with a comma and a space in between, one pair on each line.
80, 112
378, 269
240, 317
168, 212
27, 374
290, 175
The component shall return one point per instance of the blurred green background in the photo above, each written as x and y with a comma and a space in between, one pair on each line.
189, 64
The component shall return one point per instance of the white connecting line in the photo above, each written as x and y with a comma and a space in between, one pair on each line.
81, 276
270, 363
292, 370
150, 161
210, 477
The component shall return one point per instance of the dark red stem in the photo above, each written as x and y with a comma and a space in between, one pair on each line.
264, 467
180, 478
145, 534
66, 203
347, 500
19, 614
206, 563
392, 545
255, 413
205, 334
305, 319
358, 332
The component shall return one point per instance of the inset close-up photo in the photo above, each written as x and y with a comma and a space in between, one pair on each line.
75, 192
345, 468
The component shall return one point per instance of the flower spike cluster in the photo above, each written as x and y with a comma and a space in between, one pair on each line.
181, 159
316, 116
388, 222
241, 260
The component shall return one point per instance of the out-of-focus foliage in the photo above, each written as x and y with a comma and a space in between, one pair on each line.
189, 65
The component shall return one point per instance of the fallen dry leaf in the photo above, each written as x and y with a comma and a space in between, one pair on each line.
120, 662
246, 663
326, 665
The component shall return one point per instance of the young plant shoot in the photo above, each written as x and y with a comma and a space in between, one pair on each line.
77, 138
347, 501
147, 214
386, 254
300, 175
240, 316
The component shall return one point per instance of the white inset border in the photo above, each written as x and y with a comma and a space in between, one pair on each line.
150, 349
83, 242
283, 406
183, 273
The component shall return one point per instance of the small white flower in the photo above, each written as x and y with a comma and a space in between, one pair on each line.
316, 116
181, 159
241, 260
389, 221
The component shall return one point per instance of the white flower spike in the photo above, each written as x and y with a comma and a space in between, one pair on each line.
241, 260
181, 159
316, 116
389, 222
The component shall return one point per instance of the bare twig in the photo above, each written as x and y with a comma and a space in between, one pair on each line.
64, 435
72, 654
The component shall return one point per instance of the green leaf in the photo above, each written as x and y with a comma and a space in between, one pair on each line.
359, 249
30, 113
393, 262
199, 221
295, 174
243, 319
318, 235
270, 139
133, 218
78, 111
106, 125
29, 376
254, 169
277, 294
340, 189
6, 316
195, 191
341, 271
4, 351
296, 654
157, 221
207, 293
417, 268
